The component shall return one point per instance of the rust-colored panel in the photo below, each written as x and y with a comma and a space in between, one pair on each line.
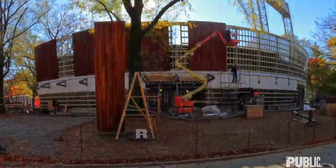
212, 55
110, 41
127, 49
155, 51
83, 46
46, 61
52, 60
39, 60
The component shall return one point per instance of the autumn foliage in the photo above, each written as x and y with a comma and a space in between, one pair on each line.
316, 62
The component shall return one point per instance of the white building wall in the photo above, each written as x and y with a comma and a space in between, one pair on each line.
72, 85
222, 80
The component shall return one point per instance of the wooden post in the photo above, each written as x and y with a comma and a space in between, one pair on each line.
145, 104
125, 107
110, 68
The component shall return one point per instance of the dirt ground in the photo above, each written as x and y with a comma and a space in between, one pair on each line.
182, 138
59, 137
34, 135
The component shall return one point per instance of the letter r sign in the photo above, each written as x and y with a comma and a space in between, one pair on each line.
141, 134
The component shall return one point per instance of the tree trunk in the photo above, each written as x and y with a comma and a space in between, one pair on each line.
134, 58
2, 105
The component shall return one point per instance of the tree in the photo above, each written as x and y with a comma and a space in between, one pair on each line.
316, 51
62, 20
24, 60
321, 76
24, 57
134, 11
17, 17
326, 34
16, 87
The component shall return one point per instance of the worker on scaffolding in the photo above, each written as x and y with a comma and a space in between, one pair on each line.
234, 73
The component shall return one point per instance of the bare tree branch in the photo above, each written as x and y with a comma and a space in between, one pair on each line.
16, 26
14, 35
9, 17
7, 66
50, 34
157, 17
118, 19
107, 11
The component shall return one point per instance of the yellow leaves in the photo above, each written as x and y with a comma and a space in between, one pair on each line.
191, 24
81, 5
331, 45
91, 31
160, 25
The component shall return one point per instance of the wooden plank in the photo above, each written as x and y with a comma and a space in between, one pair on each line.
46, 61
109, 66
129, 95
52, 60
83, 46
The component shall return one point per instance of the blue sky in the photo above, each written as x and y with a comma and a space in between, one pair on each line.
304, 13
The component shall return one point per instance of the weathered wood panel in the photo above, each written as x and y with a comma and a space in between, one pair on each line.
212, 55
155, 51
83, 46
46, 61
110, 41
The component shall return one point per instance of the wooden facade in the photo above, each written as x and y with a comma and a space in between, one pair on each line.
46, 61
83, 47
155, 51
110, 68
212, 55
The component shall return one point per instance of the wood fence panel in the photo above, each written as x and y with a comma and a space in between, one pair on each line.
110, 57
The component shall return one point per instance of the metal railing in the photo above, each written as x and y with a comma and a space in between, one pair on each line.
267, 53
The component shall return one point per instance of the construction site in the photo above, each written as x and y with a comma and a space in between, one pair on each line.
266, 63
196, 76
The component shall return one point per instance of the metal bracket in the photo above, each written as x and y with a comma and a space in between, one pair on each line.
46, 85
62, 83
84, 82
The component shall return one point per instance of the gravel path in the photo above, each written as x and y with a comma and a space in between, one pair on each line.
35, 135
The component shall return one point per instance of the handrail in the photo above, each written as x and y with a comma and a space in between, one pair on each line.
273, 35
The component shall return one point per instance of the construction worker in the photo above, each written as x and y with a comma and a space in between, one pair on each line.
228, 35
234, 73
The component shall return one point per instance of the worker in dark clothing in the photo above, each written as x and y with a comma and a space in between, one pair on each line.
55, 105
234, 73
228, 35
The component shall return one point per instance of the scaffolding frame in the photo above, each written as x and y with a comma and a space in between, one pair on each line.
65, 57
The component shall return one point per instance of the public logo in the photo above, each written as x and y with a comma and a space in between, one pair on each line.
303, 161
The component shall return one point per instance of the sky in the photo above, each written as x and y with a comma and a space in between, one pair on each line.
303, 13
